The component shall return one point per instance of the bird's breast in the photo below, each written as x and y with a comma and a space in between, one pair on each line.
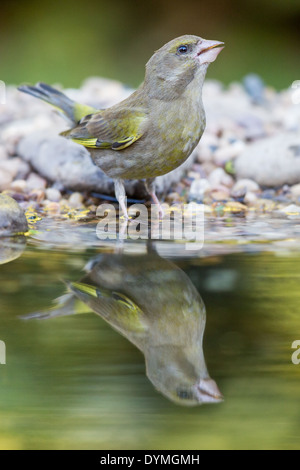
173, 131
178, 128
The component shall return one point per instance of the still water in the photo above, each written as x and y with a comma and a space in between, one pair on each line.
135, 374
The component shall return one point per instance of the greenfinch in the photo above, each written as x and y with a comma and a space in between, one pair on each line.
155, 129
154, 305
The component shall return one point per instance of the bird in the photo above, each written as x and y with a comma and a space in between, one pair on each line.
154, 304
156, 128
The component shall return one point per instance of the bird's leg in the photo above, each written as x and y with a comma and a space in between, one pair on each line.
150, 187
121, 196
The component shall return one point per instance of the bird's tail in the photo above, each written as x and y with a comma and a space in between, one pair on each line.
74, 111
65, 305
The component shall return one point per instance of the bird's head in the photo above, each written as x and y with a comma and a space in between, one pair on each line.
181, 375
177, 62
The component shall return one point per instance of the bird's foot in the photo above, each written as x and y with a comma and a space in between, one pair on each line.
155, 199
161, 211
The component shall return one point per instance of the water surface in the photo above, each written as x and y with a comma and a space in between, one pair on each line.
74, 382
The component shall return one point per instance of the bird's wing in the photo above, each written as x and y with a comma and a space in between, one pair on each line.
115, 307
109, 129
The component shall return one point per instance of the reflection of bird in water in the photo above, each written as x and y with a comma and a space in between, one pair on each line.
153, 303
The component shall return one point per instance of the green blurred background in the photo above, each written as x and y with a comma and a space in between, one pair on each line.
67, 41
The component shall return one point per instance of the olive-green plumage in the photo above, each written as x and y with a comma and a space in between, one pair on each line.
155, 129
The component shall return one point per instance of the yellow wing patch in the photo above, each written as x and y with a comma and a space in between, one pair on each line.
98, 144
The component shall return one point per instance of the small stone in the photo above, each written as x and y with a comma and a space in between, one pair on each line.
52, 207
205, 154
35, 181
295, 190
220, 195
53, 194
292, 209
207, 168
250, 197
37, 195
19, 185
5, 179
273, 161
3, 153
76, 200
235, 207
220, 177
199, 188
247, 185
268, 194
15, 166
12, 217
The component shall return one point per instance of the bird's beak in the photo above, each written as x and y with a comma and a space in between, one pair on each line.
209, 50
208, 392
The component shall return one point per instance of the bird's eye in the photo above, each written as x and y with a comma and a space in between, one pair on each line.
182, 49
184, 394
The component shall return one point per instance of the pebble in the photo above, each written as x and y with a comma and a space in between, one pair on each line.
220, 195
53, 194
37, 195
5, 179
34, 181
295, 190
199, 188
19, 185
3, 153
220, 177
76, 200
268, 194
52, 207
250, 197
12, 217
292, 209
207, 168
235, 207
15, 166
247, 185
273, 161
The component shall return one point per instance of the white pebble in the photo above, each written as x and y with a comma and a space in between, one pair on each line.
246, 184
199, 188
76, 200
3, 153
295, 190
19, 185
250, 197
292, 209
5, 179
53, 194
35, 181
220, 177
